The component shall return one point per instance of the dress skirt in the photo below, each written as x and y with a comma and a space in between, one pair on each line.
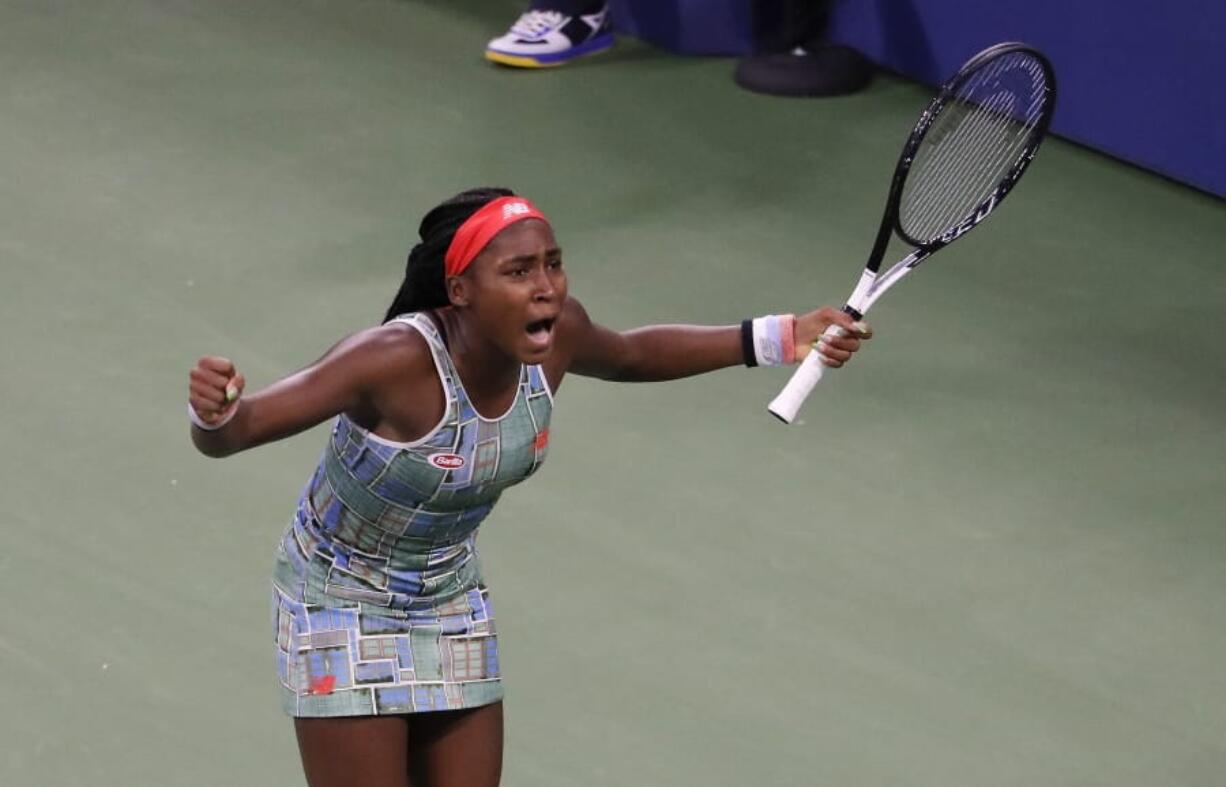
339, 655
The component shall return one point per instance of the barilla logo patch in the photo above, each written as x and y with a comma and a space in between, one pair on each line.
512, 209
446, 461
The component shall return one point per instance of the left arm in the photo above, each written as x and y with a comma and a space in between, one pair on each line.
668, 352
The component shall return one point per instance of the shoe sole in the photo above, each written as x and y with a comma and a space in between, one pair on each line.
592, 46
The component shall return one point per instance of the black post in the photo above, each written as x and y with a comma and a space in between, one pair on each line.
792, 58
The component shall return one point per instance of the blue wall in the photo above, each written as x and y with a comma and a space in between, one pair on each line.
694, 27
1144, 81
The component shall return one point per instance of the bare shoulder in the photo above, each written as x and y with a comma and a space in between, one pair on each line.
394, 337
573, 322
573, 317
373, 357
572, 325
386, 370
393, 350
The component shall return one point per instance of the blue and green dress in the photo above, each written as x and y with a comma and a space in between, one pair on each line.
378, 600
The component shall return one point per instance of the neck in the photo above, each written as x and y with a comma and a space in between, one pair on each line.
486, 372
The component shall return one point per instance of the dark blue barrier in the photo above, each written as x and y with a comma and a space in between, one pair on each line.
1142, 81
693, 27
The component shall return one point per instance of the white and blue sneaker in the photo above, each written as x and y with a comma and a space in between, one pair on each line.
542, 38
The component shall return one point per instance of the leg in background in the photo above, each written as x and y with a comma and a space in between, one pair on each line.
457, 748
368, 750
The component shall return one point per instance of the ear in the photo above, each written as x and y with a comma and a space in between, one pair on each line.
459, 291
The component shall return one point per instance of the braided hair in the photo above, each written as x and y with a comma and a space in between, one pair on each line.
424, 281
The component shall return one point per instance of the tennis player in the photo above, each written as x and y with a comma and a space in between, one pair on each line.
385, 639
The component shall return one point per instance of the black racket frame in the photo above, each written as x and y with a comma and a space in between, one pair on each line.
890, 221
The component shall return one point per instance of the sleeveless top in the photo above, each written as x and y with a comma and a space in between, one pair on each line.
387, 531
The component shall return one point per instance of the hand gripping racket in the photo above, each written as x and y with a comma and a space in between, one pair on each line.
969, 149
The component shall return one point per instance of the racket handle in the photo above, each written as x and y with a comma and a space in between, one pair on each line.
804, 379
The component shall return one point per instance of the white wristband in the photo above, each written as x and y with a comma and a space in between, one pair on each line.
774, 341
200, 423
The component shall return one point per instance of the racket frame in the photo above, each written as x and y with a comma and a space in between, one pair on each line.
873, 284
871, 288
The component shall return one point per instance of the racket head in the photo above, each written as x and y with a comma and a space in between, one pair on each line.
972, 144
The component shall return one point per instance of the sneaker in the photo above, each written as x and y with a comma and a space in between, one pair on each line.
543, 38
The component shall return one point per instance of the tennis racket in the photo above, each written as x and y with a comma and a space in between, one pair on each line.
970, 147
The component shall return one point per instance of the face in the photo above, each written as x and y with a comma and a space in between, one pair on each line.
514, 290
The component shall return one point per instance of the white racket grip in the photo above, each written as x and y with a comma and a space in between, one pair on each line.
804, 379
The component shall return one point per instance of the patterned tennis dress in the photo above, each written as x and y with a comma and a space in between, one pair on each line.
378, 600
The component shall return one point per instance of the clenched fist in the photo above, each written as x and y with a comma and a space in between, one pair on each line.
215, 389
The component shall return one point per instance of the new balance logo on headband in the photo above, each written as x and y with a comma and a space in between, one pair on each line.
512, 209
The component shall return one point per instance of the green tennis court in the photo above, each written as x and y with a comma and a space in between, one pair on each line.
1018, 579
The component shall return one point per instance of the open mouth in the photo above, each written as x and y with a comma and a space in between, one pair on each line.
540, 331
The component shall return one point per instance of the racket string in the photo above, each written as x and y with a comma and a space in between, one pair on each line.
984, 128
938, 134
972, 145
934, 211
1008, 157
929, 203
973, 155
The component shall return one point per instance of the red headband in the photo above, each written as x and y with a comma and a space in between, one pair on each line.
481, 227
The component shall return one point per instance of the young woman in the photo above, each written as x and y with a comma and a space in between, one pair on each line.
386, 646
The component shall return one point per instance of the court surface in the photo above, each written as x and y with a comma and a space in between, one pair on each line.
1019, 578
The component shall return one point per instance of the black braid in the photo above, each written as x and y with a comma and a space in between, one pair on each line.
423, 286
